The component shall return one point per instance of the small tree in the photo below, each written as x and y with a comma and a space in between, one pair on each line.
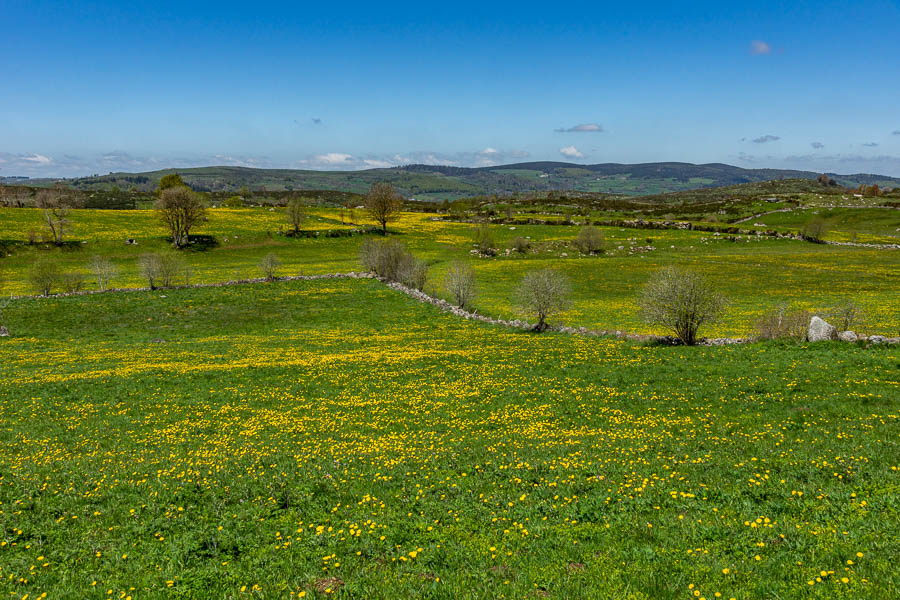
44, 275
170, 181
269, 266
383, 204
846, 316
543, 293
296, 213
681, 301
72, 281
460, 283
160, 269
180, 210
391, 260
589, 240
57, 206
104, 270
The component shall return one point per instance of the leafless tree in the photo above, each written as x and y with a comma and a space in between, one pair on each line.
681, 301
783, 322
846, 316
104, 270
543, 293
57, 205
391, 260
269, 266
180, 210
383, 204
460, 283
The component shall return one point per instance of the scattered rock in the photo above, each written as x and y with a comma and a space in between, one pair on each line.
876, 339
819, 330
847, 336
4, 332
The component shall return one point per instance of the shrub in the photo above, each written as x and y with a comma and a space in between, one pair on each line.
847, 316
72, 281
269, 266
233, 202
295, 211
391, 260
460, 283
160, 269
521, 245
483, 237
681, 301
783, 323
542, 294
814, 230
589, 240
44, 275
104, 270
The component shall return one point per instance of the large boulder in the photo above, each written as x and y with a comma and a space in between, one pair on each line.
820, 331
4, 332
847, 336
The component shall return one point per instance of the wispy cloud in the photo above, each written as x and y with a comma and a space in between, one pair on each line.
571, 152
895, 132
765, 139
316, 121
817, 145
758, 47
871, 144
582, 128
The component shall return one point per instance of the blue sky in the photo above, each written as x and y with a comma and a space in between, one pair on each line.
98, 87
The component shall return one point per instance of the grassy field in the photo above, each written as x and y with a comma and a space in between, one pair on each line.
335, 438
757, 273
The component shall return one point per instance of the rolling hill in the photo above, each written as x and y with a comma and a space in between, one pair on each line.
429, 182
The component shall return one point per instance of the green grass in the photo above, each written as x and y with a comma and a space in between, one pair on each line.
257, 441
756, 274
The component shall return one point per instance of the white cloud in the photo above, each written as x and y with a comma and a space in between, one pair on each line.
571, 152
765, 139
758, 47
37, 158
489, 150
583, 128
332, 158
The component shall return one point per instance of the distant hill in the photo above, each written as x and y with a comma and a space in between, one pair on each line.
428, 182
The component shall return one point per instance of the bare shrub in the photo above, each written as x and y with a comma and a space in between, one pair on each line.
483, 237
682, 302
847, 316
521, 244
180, 209
460, 284
542, 294
269, 266
412, 272
44, 275
383, 204
782, 323
589, 240
160, 269
104, 271
72, 281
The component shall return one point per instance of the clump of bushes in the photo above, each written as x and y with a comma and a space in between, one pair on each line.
72, 281
483, 237
783, 323
681, 301
44, 275
391, 260
161, 268
233, 202
589, 240
521, 244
